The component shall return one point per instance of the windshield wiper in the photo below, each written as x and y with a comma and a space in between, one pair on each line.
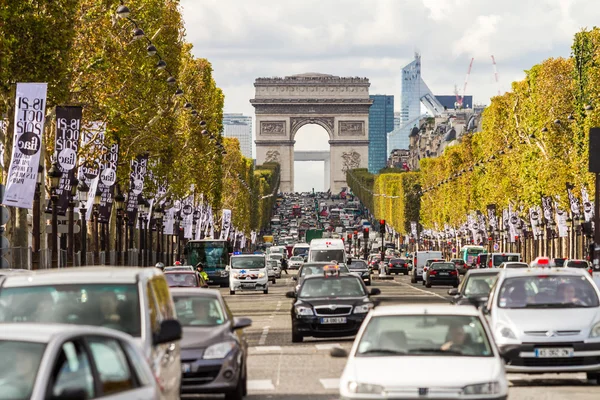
384, 351
436, 351
554, 305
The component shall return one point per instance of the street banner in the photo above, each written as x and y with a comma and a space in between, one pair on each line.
547, 208
225, 224
169, 221
4, 133
535, 217
107, 180
30, 110
413, 229
588, 206
573, 201
66, 146
482, 225
243, 242
513, 223
253, 237
561, 221
137, 174
92, 144
187, 215
492, 218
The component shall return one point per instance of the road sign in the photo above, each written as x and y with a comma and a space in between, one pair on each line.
496, 247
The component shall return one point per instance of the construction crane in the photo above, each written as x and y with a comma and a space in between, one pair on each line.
496, 74
459, 98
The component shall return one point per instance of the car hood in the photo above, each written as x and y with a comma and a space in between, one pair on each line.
535, 319
322, 301
202, 336
399, 370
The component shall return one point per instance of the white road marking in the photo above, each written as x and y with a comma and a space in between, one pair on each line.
330, 384
267, 348
327, 346
260, 384
420, 290
263, 336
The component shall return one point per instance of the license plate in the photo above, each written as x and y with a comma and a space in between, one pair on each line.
554, 353
185, 368
444, 273
333, 320
248, 285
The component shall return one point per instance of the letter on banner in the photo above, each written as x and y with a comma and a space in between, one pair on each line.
30, 109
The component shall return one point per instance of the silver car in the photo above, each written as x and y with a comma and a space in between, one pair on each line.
547, 320
58, 361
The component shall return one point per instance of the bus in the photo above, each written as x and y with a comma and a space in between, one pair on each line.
214, 256
469, 254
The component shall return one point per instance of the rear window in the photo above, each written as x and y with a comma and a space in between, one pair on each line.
499, 259
577, 264
399, 261
442, 266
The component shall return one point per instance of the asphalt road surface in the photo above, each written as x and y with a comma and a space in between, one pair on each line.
281, 370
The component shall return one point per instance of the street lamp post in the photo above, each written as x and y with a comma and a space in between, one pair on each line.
36, 236
96, 215
119, 202
55, 174
141, 221
83, 190
158, 214
71, 222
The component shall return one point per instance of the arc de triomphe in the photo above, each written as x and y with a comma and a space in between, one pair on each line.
338, 104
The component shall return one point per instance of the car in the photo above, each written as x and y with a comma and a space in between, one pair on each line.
271, 273
423, 351
316, 269
398, 266
136, 301
214, 350
248, 272
583, 264
360, 268
329, 305
420, 260
547, 320
513, 264
426, 267
442, 273
559, 262
296, 262
276, 266
461, 265
475, 287
66, 361
185, 279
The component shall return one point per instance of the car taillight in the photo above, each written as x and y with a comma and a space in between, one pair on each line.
590, 271
433, 272
391, 265
406, 265
455, 272
490, 264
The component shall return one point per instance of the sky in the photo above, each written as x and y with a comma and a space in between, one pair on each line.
247, 39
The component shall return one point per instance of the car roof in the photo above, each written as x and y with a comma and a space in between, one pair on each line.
434, 309
185, 292
182, 271
517, 272
342, 274
485, 271
89, 275
44, 332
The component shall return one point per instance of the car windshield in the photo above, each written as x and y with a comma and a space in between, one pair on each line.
343, 286
17, 377
199, 311
547, 291
275, 256
296, 258
499, 259
111, 306
515, 265
439, 265
181, 280
458, 261
357, 265
247, 262
424, 335
318, 269
327, 255
577, 264
479, 285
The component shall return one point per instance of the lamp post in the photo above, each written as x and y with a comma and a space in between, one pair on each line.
142, 239
35, 240
96, 215
582, 244
119, 202
55, 174
71, 222
158, 213
83, 190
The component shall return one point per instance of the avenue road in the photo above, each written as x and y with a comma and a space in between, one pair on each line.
280, 370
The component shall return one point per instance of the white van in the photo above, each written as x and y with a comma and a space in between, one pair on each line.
495, 259
325, 250
300, 249
419, 261
248, 272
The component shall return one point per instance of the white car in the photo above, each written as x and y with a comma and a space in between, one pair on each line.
248, 272
65, 361
295, 262
547, 320
422, 352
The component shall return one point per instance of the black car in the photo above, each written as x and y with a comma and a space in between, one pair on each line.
475, 287
460, 265
329, 306
214, 351
398, 266
360, 267
442, 273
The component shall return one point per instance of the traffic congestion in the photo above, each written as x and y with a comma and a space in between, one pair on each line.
321, 296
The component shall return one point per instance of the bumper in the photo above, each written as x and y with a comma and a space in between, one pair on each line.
211, 376
311, 326
444, 281
521, 358
259, 285
398, 270
217, 279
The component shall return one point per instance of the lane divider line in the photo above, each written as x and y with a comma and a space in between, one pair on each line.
420, 290
263, 336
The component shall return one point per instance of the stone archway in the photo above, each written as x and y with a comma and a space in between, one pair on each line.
339, 105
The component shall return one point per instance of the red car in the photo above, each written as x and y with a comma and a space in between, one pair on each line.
185, 279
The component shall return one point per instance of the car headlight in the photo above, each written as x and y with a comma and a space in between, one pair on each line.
363, 308
506, 332
224, 273
366, 388
219, 350
482, 388
261, 275
595, 332
235, 275
304, 311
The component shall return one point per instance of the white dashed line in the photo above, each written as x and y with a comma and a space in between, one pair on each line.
420, 290
267, 348
327, 346
330, 384
260, 384
263, 336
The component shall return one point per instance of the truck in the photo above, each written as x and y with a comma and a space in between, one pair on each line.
419, 262
313, 234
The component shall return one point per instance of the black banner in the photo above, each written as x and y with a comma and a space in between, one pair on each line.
547, 209
68, 125
139, 166
108, 179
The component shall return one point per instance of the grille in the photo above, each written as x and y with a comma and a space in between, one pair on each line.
339, 310
557, 333
558, 362
201, 376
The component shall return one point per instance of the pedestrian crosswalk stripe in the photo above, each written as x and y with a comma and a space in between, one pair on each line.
260, 384
330, 384
327, 346
268, 348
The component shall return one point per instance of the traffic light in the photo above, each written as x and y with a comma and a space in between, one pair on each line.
366, 233
382, 226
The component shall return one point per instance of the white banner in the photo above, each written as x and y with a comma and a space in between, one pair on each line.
588, 206
561, 221
535, 217
92, 142
169, 221
187, 215
225, 224
30, 110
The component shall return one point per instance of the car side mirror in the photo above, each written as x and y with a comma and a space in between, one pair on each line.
241, 322
71, 394
374, 292
170, 331
479, 302
485, 310
290, 295
453, 292
338, 352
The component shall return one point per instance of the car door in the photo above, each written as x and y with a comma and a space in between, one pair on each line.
71, 372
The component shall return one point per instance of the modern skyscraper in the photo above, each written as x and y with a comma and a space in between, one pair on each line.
381, 121
239, 126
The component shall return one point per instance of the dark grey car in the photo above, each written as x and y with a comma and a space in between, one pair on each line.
214, 350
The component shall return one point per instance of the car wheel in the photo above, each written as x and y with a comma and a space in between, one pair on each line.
428, 284
238, 392
413, 278
231, 291
266, 291
273, 281
296, 337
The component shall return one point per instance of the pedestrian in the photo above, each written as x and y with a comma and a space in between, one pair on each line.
201, 272
284, 265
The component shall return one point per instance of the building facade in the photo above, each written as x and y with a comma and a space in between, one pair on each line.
381, 122
239, 126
